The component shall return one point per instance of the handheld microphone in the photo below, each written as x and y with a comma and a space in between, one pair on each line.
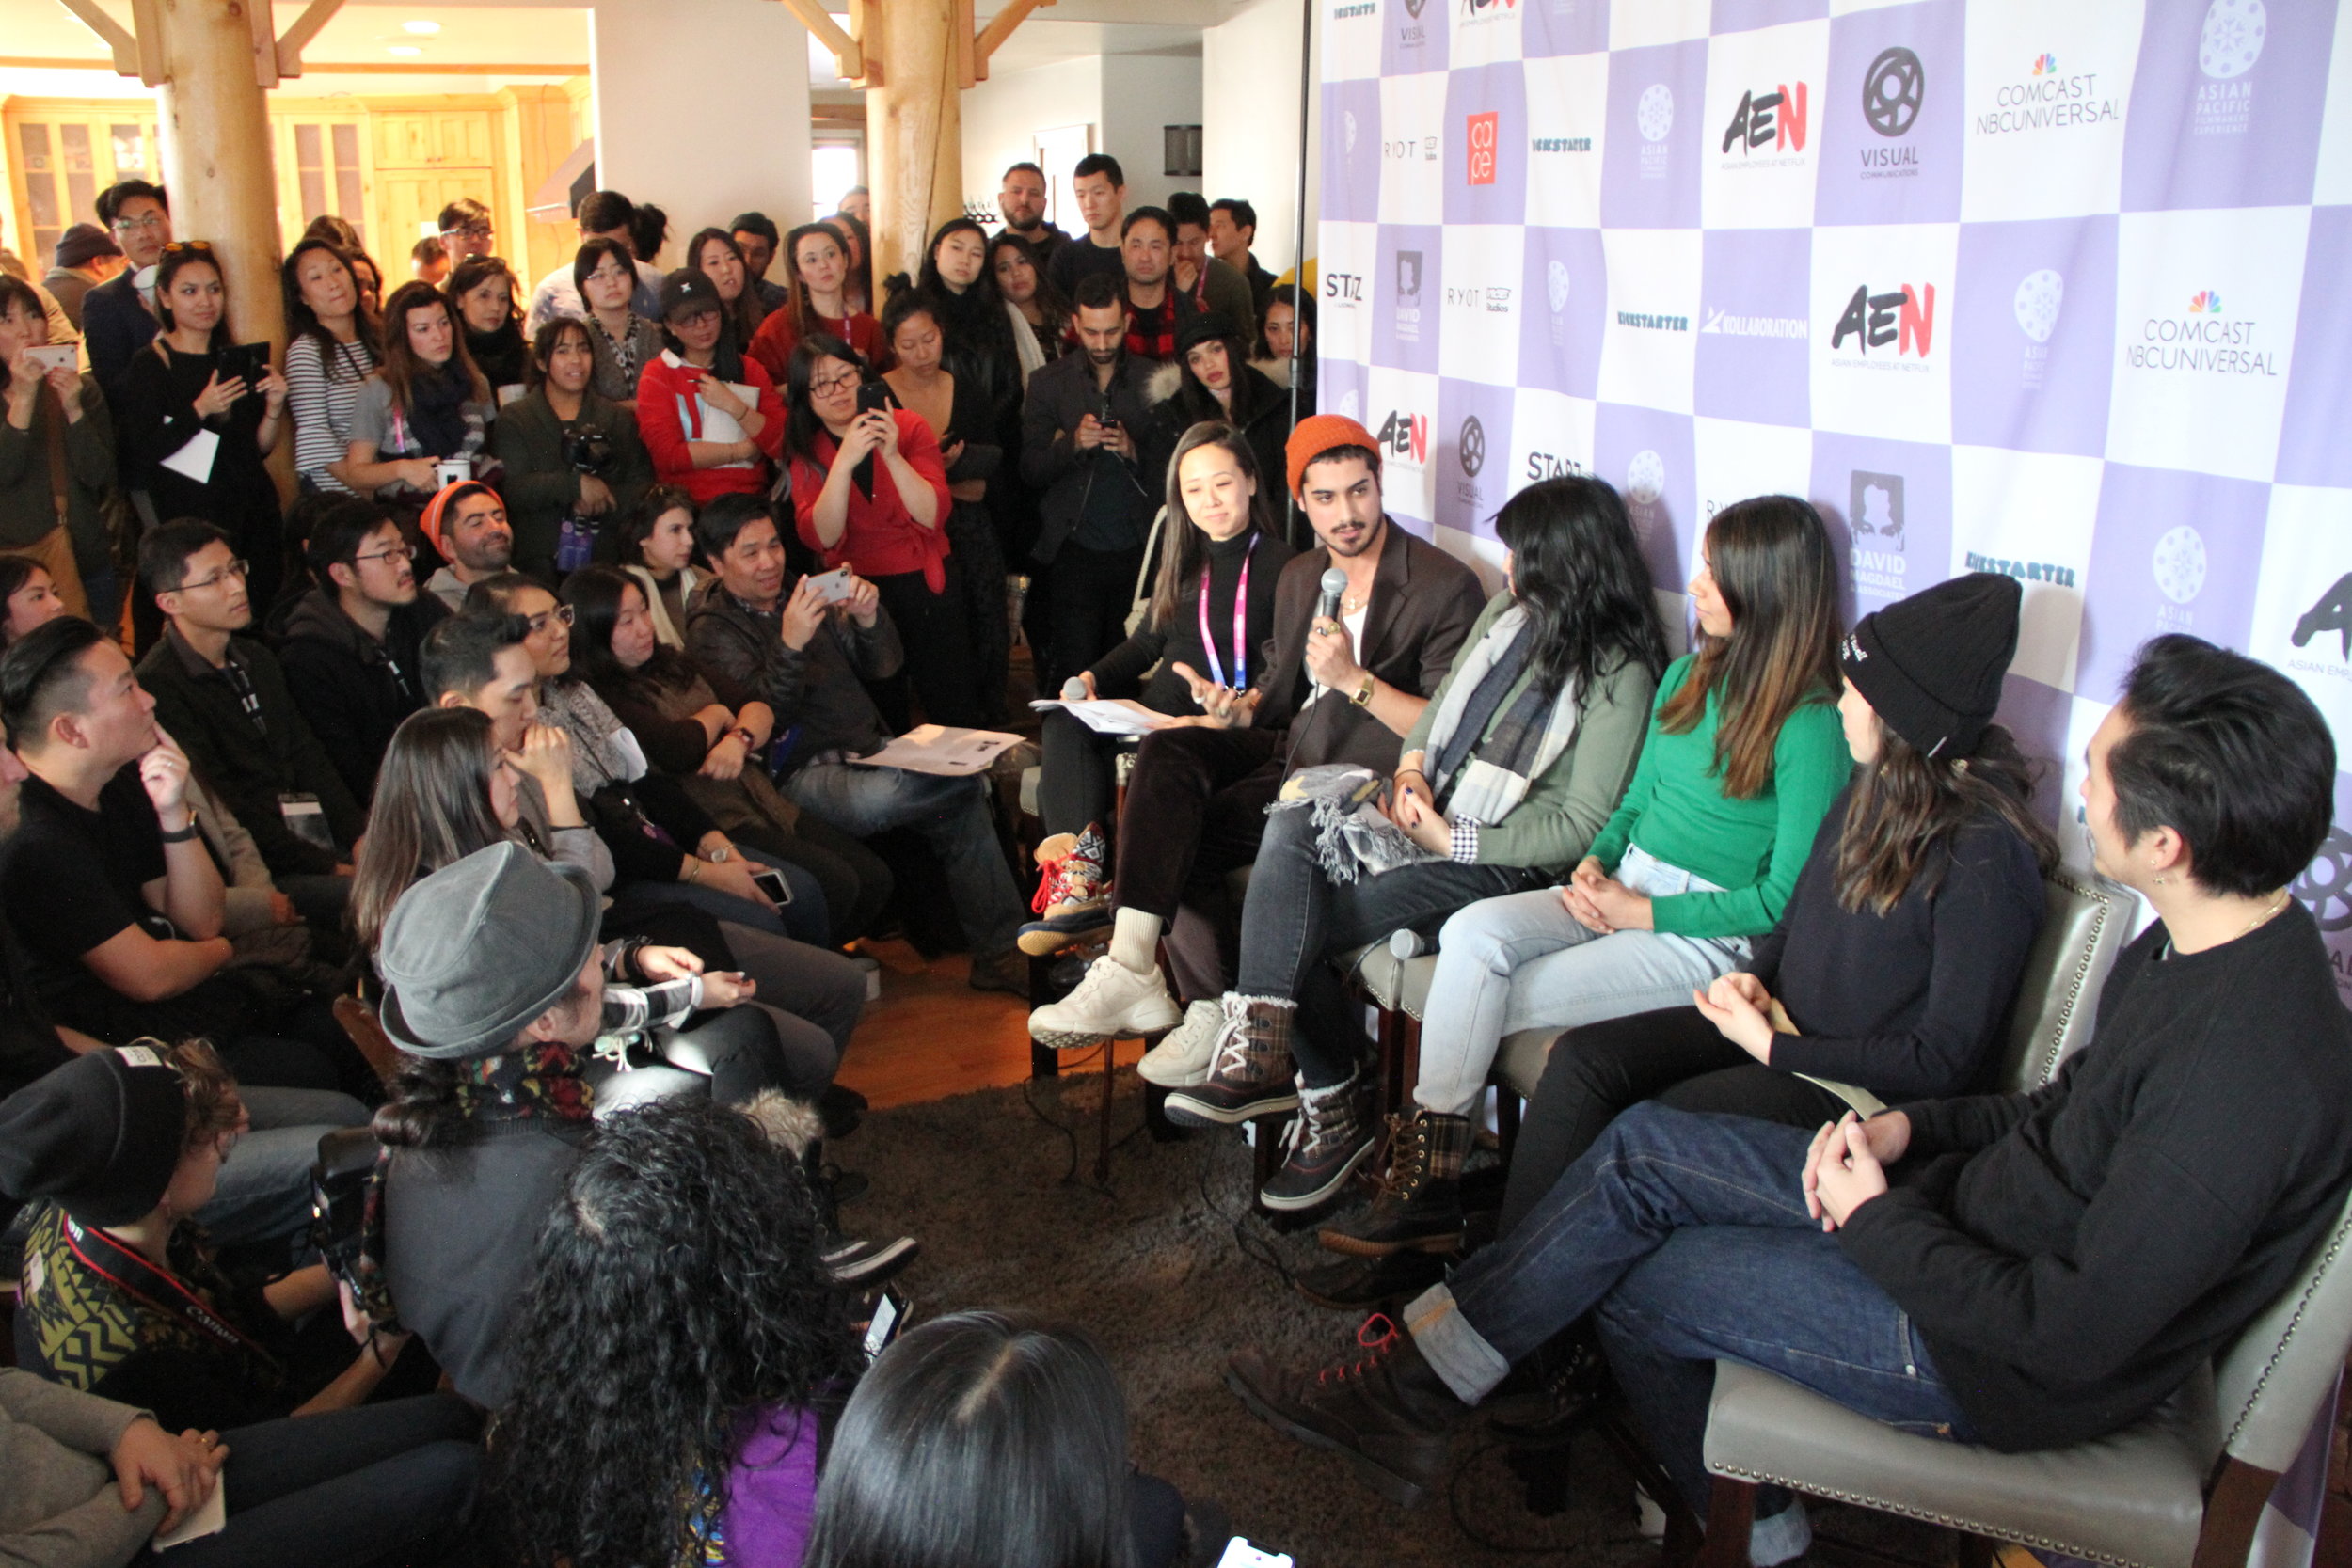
1334, 584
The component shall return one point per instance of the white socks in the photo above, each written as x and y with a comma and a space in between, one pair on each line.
1136, 940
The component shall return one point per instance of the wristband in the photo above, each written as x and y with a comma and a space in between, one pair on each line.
743, 733
184, 834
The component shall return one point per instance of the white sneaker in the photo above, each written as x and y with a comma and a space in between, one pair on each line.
1182, 1058
1113, 1001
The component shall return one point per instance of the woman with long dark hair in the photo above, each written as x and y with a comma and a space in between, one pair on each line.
426, 401
1502, 785
1043, 330
1215, 381
870, 492
487, 297
605, 275
702, 1443
817, 273
961, 288
330, 351
708, 413
1891, 972
57, 460
1211, 613
574, 462
657, 550
195, 431
712, 736
1290, 320
1742, 758
29, 598
714, 253
857, 244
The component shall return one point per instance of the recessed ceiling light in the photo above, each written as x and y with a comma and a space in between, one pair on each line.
422, 27
403, 49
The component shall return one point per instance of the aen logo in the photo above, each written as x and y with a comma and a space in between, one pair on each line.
1483, 131
1892, 91
1405, 435
1777, 117
1904, 316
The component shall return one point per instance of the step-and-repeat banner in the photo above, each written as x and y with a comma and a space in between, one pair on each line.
2059, 290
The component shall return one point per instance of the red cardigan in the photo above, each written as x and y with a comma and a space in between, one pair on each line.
772, 344
881, 539
669, 415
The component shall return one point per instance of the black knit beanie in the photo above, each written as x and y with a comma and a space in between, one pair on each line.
101, 1135
1932, 664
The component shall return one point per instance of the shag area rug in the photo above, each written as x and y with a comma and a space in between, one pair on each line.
1164, 1266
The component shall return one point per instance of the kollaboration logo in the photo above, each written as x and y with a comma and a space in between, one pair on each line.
2023, 571
1653, 117
2227, 47
1483, 131
1408, 297
1777, 117
1904, 316
1892, 91
2179, 563
1719, 320
1405, 436
2039, 296
2201, 341
1875, 518
2045, 100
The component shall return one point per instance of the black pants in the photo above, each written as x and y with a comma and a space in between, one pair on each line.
1673, 1055
857, 882
1196, 811
1075, 785
980, 563
937, 636
1088, 596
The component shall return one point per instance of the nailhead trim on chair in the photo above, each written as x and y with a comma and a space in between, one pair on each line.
2082, 972
2254, 1396
1949, 1521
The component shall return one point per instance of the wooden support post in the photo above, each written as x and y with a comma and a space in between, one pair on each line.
999, 28
111, 33
289, 49
914, 129
218, 163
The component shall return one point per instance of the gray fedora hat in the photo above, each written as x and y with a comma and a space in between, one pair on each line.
481, 948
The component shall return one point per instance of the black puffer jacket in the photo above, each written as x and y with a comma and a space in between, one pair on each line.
352, 689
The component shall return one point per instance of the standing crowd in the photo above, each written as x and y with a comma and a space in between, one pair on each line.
428, 911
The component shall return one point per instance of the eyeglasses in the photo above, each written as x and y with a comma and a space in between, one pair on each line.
398, 552
470, 232
237, 569
833, 384
561, 615
151, 220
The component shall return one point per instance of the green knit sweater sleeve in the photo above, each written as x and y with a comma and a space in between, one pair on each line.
1617, 832
1810, 765
1567, 806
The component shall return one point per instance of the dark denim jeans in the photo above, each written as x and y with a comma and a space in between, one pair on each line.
1688, 1235
953, 816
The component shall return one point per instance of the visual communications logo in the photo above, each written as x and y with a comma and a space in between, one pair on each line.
1473, 446
2326, 889
1408, 297
1405, 436
2227, 47
1903, 317
1874, 513
2045, 100
1776, 118
2039, 296
2201, 342
1484, 130
2179, 563
1892, 91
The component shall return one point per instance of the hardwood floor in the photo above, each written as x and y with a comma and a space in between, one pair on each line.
932, 1034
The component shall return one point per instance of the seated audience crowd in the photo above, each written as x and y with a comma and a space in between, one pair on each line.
430, 912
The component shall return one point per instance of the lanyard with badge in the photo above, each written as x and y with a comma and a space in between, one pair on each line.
1241, 625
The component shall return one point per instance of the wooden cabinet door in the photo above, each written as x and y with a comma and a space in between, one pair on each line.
62, 158
403, 139
409, 202
462, 139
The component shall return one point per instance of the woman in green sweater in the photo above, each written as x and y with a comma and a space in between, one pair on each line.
1743, 757
1514, 766
575, 464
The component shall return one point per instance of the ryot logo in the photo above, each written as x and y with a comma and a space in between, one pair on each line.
1904, 316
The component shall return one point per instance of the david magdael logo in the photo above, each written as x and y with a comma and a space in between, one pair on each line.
2331, 611
1483, 131
1405, 436
1902, 318
1892, 91
1874, 513
1408, 297
2040, 294
2043, 100
2023, 571
2202, 341
1774, 118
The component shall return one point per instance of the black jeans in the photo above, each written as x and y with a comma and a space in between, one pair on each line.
856, 881
1673, 1055
978, 572
1196, 809
1075, 784
1296, 917
1087, 597
384, 1483
937, 637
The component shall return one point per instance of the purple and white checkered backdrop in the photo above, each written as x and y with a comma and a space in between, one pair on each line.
1998, 284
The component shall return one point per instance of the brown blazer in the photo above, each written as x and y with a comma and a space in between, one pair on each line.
1422, 604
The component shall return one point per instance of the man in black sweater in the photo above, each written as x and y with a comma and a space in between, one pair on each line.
2020, 1271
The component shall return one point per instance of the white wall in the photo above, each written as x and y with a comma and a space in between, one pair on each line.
1002, 115
1143, 93
1250, 118
701, 158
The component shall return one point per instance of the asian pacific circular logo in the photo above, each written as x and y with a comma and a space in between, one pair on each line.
1556, 286
1347, 117
2179, 564
1646, 478
2232, 39
1891, 91
1351, 405
1653, 115
2039, 296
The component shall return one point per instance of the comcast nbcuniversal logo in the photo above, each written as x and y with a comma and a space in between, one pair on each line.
2205, 302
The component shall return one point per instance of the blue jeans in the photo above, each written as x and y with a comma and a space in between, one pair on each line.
953, 817
263, 1192
1688, 1235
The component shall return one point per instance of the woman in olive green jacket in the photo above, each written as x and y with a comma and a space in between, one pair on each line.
546, 439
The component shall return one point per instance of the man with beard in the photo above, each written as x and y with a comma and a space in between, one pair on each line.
1082, 431
467, 523
1201, 791
1022, 200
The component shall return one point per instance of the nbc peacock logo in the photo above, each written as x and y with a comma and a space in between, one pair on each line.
2045, 65
2205, 302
